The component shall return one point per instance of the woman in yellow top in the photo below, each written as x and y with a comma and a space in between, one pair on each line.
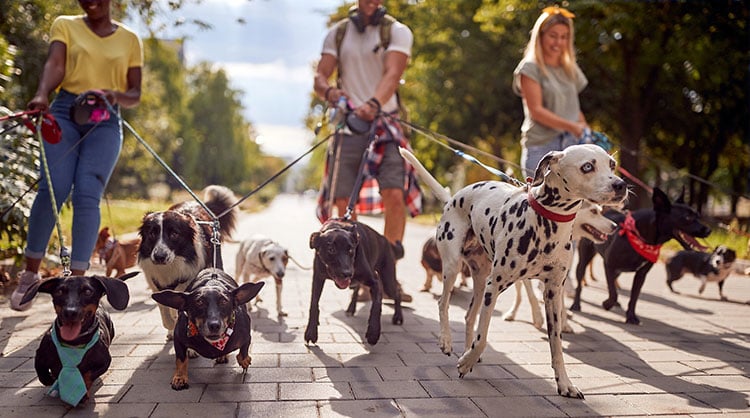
86, 52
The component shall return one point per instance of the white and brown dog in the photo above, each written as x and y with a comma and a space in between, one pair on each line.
177, 244
526, 233
260, 257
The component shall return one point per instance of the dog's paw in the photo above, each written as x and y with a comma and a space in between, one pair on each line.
631, 318
569, 391
446, 345
192, 353
567, 329
221, 360
372, 335
282, 314
179, 382
609, 304
509, 316
576, 307
466, 363
244, 362
311, 335
398, 318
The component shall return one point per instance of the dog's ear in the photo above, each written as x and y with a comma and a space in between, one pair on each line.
171, 298
543, 166
44, 286
314, 240
246, 292
117, 291
660, 200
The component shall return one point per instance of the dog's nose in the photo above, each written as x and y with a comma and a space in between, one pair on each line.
69, 313
159, 257
213, 326
280, 275
619, 186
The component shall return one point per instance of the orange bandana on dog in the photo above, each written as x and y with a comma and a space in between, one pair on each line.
192, 331
648, 251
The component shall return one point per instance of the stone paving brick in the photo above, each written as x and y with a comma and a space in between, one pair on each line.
390, 389
459, 389
667, 403
315, 391
348, 374
244, 392
278, 409
517, 406
440, 407
359, 408
202, 410
412, 373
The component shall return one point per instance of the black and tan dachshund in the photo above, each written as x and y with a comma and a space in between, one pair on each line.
212, 320
634, 247
82, 327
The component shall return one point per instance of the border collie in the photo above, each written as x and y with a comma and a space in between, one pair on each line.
176, 244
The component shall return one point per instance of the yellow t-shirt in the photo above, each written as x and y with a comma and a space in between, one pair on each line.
93, 62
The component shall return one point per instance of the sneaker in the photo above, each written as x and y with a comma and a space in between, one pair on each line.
26, 279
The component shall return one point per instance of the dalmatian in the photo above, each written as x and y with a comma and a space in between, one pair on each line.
526, 232
259, 257
590, 223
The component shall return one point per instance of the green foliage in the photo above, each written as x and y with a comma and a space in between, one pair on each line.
19, 162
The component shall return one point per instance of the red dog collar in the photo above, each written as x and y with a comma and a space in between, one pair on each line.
648, 251
548, 214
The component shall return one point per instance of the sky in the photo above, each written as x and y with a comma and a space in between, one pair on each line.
270, 58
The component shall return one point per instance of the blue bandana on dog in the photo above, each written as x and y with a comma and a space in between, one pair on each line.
69, 384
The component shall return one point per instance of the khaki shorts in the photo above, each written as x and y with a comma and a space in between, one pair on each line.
390, 173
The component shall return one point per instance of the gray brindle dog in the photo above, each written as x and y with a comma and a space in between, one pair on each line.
526, 232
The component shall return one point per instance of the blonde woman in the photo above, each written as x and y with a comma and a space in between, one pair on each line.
549, 80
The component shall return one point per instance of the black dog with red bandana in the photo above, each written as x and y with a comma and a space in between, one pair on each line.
212, 320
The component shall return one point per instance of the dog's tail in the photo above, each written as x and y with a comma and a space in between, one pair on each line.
218, 199
442, 193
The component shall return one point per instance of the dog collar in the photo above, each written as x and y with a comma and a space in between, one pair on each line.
546, 213
192, 331
648, 251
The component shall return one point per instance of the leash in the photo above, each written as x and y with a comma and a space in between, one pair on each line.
360, 173
64, 253
436, 138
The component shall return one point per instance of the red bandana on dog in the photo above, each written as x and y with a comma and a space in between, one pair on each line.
192, 331
648, 251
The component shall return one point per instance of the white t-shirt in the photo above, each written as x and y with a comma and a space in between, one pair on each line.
362, 68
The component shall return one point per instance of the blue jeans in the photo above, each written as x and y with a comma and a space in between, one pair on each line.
83, 166
530, 156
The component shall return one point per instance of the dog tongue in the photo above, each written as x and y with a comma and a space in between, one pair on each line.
70, 331
342, 283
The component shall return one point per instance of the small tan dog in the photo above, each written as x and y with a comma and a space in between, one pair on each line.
117, 255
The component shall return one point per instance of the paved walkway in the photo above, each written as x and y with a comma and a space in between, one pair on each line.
690, 355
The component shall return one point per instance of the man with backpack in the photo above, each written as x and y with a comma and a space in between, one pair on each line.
369, 51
